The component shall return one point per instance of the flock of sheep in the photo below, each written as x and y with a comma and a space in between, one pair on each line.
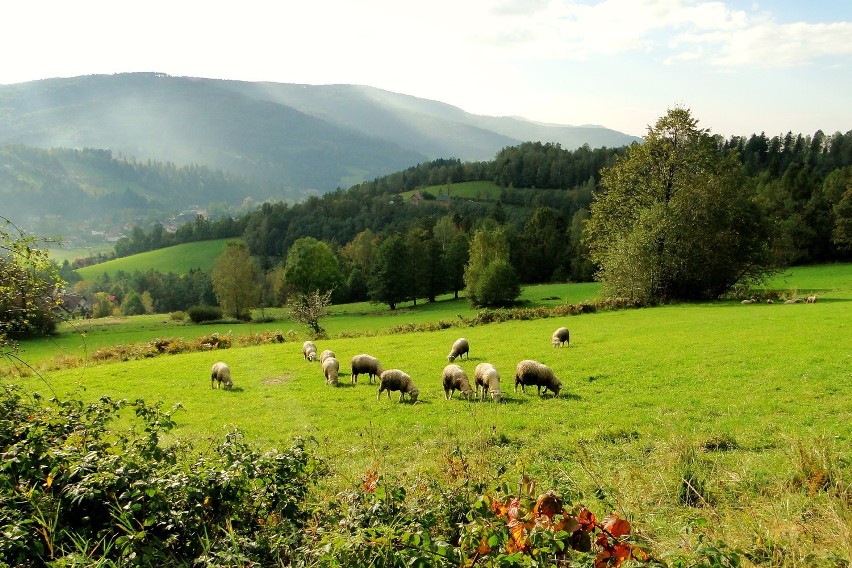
453, 377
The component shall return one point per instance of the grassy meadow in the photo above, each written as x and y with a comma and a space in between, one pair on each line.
719, 420
179, 259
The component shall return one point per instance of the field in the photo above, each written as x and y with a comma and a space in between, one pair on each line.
722, 421
178, 259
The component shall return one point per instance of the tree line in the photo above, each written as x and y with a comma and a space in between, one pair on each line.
368, 243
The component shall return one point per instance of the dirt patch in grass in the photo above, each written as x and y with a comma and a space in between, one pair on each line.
286, 377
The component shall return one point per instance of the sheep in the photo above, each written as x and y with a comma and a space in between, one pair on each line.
455, 379
396, 380
533, 373
560, 337
331, 368
460, 347
221, 373
365, 364
326, 354
309, 350
812, 299
485, 375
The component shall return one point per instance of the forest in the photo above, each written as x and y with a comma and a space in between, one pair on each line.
801, 185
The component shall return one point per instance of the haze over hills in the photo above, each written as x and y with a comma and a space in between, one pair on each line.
299, 136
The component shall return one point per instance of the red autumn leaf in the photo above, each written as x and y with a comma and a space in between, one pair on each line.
615, 526
587, 520
548, 504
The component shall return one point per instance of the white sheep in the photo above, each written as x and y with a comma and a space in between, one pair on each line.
460, 347
309, 350
331, 369
533, 373
365, 364
396, 380
560, 337
221, 373
485, 375
455, 379
326, 354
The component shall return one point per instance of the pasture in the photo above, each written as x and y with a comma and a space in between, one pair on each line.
720, 419
179, 259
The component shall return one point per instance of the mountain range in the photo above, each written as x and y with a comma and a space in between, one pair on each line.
305, 138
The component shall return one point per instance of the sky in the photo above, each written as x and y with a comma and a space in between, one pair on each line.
741, 67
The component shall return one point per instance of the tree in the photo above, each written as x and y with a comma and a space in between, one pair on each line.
28, 284
309, 308
235, 281
390, 280
676, 218
456, 257
311, 265
498, 285
489, 245
132, 305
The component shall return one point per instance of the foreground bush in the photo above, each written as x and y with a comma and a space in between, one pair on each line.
74, 490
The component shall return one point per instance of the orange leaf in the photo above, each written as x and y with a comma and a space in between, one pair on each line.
483, 548
616, 527
548, 504
587, 520
518, 537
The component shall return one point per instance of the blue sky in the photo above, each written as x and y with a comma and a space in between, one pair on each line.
741, 67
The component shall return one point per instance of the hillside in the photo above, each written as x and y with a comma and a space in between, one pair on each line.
301, 136
178, 259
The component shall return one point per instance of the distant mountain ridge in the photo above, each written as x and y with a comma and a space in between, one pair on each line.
304, 137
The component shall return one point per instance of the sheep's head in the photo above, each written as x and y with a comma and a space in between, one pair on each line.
451, 358
556, 386
228, 383
496, 396
414, 393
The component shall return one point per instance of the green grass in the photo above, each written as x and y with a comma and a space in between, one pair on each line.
60, 254
178, 259
480, 190
733, 397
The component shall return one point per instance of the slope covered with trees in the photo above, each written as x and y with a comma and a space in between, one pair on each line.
801, 186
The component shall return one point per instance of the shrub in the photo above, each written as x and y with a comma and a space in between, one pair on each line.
199, 314
177, 316
121, 498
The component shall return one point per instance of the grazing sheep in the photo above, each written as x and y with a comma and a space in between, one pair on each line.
396, 380
460, 347
485, 375
455, 379
537, 374
560, 337
793, 301
221, 373
365, 364
331, 368
326, 354
309, 350
812, 299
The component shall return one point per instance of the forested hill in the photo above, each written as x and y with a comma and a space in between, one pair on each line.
58, 191
542, 193
299, 136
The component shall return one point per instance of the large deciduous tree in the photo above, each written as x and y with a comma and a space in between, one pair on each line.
391, 281
28, 285
490, 245
312, 266
236, 281
676, 218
